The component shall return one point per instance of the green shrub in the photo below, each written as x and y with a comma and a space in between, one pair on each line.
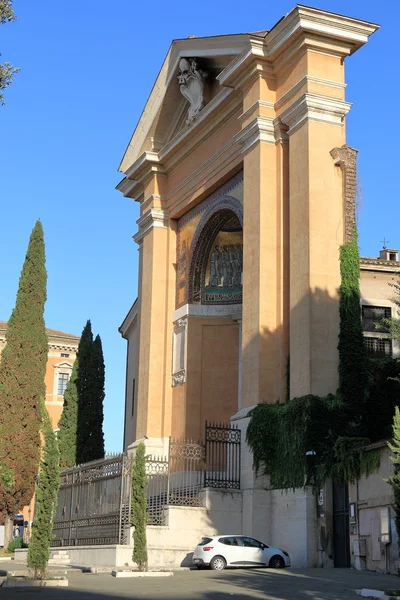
16, 544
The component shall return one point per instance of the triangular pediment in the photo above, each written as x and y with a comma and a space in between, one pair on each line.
63, 365
166, 110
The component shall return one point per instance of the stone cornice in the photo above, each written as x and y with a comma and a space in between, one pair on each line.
303, 27
237, 73
227, 45
261, 129
147, 165
202, 127
154, 218
187, 140
353, 32
130, 319
371, 264
204, 310
314, 107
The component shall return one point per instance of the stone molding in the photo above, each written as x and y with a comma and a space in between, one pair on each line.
256, 105
154, 218
261, 129
180, 322
305, 81
280, 131
233, 311
345, 157
62, 347
179, 378
386, 265
351, 31
314, 107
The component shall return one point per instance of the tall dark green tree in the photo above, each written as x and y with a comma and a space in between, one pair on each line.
90, 388
84, 422
45, 498
69, 421
22, 373
139, 508
96, 441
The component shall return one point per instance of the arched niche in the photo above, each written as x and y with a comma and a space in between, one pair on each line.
216, 260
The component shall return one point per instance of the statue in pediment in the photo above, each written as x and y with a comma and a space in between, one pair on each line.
191, 80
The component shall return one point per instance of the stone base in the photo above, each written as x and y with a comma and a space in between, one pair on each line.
287, 520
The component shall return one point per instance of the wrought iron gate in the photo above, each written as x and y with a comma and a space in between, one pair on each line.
222, 456
94, 500
94, 503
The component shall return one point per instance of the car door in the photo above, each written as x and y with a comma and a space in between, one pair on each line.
252, 551
231, 550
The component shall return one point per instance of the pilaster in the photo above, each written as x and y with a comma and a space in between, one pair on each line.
259, 261
156, 238
315, 126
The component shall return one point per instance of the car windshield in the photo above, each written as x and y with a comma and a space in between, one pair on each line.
205, 540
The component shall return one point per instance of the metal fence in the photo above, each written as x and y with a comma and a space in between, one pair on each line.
192, 466
222, 456
94, 500
94, 503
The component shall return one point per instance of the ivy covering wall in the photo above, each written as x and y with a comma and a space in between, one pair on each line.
308, 439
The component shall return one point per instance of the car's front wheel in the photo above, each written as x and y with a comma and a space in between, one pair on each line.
276, 562
218, 563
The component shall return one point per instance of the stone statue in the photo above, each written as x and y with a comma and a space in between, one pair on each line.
191, 80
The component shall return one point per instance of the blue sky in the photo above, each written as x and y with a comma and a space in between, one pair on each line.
87, 67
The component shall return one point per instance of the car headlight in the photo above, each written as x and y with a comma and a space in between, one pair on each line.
284, 552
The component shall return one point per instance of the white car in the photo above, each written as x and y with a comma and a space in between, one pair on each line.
223, 551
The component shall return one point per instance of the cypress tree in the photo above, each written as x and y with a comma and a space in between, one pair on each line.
46, 499
69, 421
394, 480
139, 508
90, 389
96, 440
83, 382
22, 373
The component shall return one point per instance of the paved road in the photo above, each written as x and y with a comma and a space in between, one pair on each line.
290, 584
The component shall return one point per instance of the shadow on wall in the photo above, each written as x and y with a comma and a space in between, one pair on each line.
308, 333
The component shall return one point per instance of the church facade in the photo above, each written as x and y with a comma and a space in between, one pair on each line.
247, 190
